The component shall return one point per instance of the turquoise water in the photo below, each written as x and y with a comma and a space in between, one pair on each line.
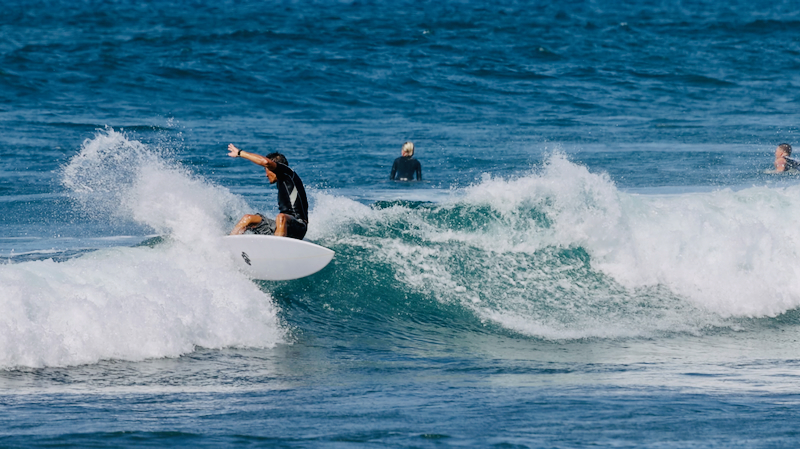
597, 256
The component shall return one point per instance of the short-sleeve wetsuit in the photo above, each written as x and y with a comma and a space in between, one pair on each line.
292, 201
404, 169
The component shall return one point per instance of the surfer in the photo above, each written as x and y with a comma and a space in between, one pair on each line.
405, 166
292, 221
782, 160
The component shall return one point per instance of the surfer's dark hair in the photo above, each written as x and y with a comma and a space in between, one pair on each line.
279, 158
786, 147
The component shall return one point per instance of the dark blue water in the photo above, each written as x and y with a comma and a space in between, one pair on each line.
598, 255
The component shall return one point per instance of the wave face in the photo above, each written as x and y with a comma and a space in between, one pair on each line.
132, 303
561, 253
557, 253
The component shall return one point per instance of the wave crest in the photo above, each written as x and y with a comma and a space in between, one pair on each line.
563, 253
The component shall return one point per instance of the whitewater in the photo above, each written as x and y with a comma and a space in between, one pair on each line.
557, 253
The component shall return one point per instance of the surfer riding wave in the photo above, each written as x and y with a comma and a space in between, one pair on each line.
292, 221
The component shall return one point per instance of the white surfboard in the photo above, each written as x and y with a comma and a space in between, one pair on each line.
277, 258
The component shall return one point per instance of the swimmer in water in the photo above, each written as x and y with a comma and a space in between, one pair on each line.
406, 167
782, 160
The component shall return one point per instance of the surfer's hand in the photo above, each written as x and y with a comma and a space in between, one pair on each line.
233, 151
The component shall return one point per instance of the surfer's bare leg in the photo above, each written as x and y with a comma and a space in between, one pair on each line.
280, 225
246, 221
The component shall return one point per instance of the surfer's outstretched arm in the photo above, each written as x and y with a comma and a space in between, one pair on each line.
252, 157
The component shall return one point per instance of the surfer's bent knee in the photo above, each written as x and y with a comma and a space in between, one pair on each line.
251, 219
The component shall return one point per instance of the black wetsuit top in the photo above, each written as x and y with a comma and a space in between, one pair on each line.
405, 167
291, 193
792, 163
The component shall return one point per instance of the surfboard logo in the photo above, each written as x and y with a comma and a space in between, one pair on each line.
246, 258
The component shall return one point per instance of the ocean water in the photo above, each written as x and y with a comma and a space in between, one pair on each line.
597, 256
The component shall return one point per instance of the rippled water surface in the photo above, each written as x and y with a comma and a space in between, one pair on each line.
598, 253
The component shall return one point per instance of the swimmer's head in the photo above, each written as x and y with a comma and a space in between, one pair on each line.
408, 149
783, 149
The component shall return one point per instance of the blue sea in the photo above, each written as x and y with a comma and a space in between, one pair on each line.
598, 254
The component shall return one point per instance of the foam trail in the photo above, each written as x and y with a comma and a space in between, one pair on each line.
135, 303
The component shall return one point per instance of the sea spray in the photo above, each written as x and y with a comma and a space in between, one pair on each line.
116, 178
133, 303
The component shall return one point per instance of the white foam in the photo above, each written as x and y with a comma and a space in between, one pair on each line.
129, 304
657, 263
142, 302
116, 178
